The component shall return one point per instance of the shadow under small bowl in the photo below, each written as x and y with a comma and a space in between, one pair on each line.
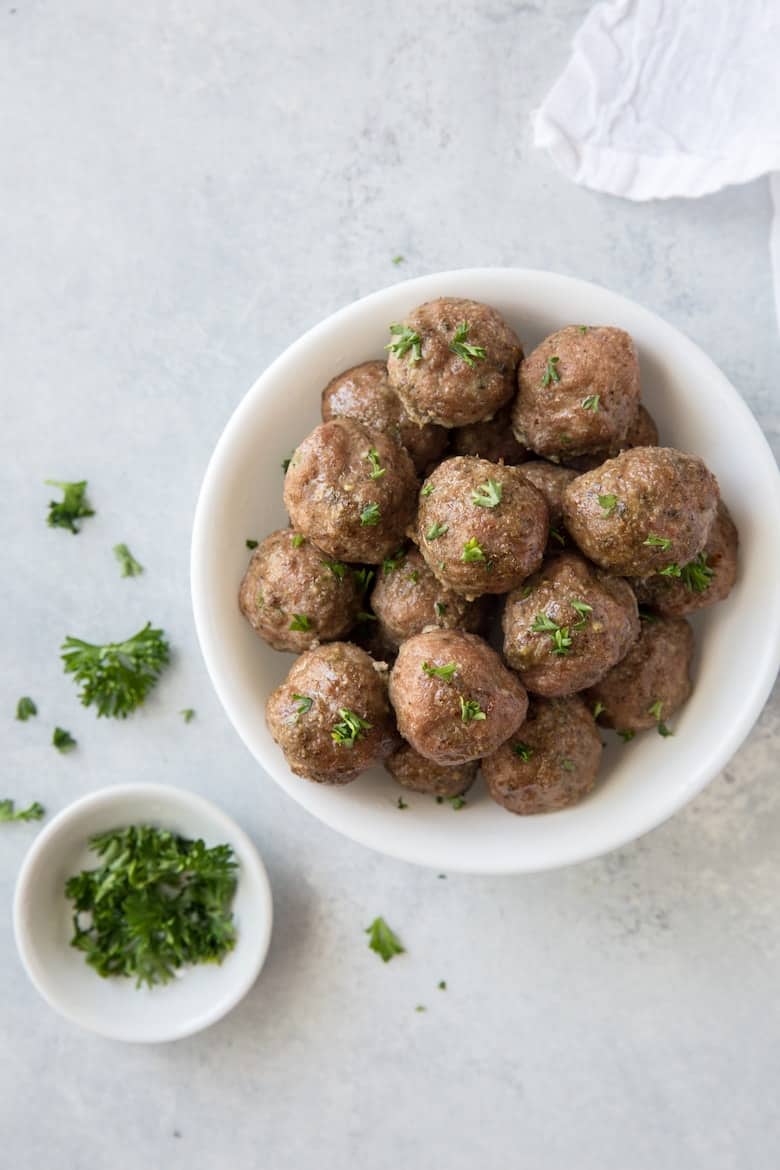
114, 1007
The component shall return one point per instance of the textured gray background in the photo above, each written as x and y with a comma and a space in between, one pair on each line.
186, 187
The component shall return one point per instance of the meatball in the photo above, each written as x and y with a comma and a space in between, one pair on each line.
568, 625
351, 491
643, 512
481, 526
293, 596
414, 772
578, 392
493, 440
453, 362
642, 433
454, 699
331, 716
407, 598
365, 394
707, 579
551, 763
651, 682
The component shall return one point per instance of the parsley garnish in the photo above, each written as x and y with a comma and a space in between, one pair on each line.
446, 672
457, 802
414, 576
298, 539
370, 516
155, 903
697, 574
654, 541
252, 543
440, 608
559, 635
470, 710
672, 570
130, 566
591, 402
551, 371
62, 740
627, 736
568, 765
72, 507
301, 622
608, 503
389, 564
583, 609
33, 812
523, 751
25, 709
401, 803
436, 530
442, 985
377, 470
469, 353
383, 940
488, 495
349, 731
583, 328
655, 711
304, 703
407, 340
117, 676
337, 568
526, 591
472, 551
598, 707
286, 463
398, 260
427, 489
554, 534
363, 578
187, 714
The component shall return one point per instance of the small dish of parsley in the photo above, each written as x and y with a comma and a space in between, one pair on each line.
143, 913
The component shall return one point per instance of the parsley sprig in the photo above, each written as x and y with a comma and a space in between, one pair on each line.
436, 530
8, 812
470, 710
488, 494
472, 552
551, 374
370, 516
127, 562
383, 940
444, 672
377, 470
591, 402
407, 341
467, 352
608, 503
697, 575
559, 635
117, 676
350, 729
25, 709
72, 507
655, 541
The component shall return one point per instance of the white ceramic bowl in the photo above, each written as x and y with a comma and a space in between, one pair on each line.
642, 783
115, 1007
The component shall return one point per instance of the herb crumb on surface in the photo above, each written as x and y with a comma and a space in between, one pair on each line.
25, 709
383, 940
73, 506
9, 812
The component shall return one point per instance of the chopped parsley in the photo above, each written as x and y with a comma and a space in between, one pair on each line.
661, 542
551, 374
608, 503
8, 812
472, 552
25, 709
370, 516
672, 570
383, 940
470, 710
426, 490
407, 341
440, 608
522, 751
72, 507
583, 328
583, 609
129, 565
445, 672
390, 564
401, 803
298, 539
559, 635
251, 544
414, 576
591, 402
467, 352
300, 622
397, 260
117, 676
363, 578
377, 470
62, 740
304, 704
349, 730
697, 575
488, 494
655, 711
187, 714
554, 534
627, 736
286, 463
337, 568
568, 765
436, 530
457, 802
598, 707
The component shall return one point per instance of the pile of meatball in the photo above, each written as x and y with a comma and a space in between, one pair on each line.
489, 558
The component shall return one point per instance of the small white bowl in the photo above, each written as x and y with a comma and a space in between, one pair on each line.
114, 1007
642, 783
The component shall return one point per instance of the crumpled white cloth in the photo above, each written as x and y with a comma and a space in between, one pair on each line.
670, 98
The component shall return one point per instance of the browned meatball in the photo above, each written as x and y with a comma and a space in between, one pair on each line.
707, 579
350, 490
651, 682
364, 393
294, 596
453, 362
550, 763
414, 772
331, 716
481, 526
568, 625
578, 392
453, 697
407, 598
646, 510
493, 440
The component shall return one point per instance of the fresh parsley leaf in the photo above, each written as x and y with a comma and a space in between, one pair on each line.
298, 539
370, 516
583, 609
467, 352
383, 940
251, 544
129, 565
472, 552
526, 591
337, 568
398, 260
457, 802
697, 574
598, 707
436, 530
554, 534
470, 710
445, 672
414, 576
187, 714
8, 813
300, 622
654, 541
286, 462
304, 703
655, 710
421, 1008
488, 495
407, 341
440, 608
583, 328
156, 903
62, 740
401, 803
389, 564
591, 402
608, 503
672, 570
350, 729
377, 470
117, 677
442, 985
427, 490
627, 736
363, 578
663, 729
559, 635
72, 507
568, 765
522, 751
551, 374
25, 709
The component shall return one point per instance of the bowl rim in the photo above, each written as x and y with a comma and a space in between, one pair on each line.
722, 747
224, 827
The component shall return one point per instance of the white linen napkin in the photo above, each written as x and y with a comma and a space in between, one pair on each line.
669, 98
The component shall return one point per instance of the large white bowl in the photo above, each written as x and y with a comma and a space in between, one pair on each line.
642, 783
